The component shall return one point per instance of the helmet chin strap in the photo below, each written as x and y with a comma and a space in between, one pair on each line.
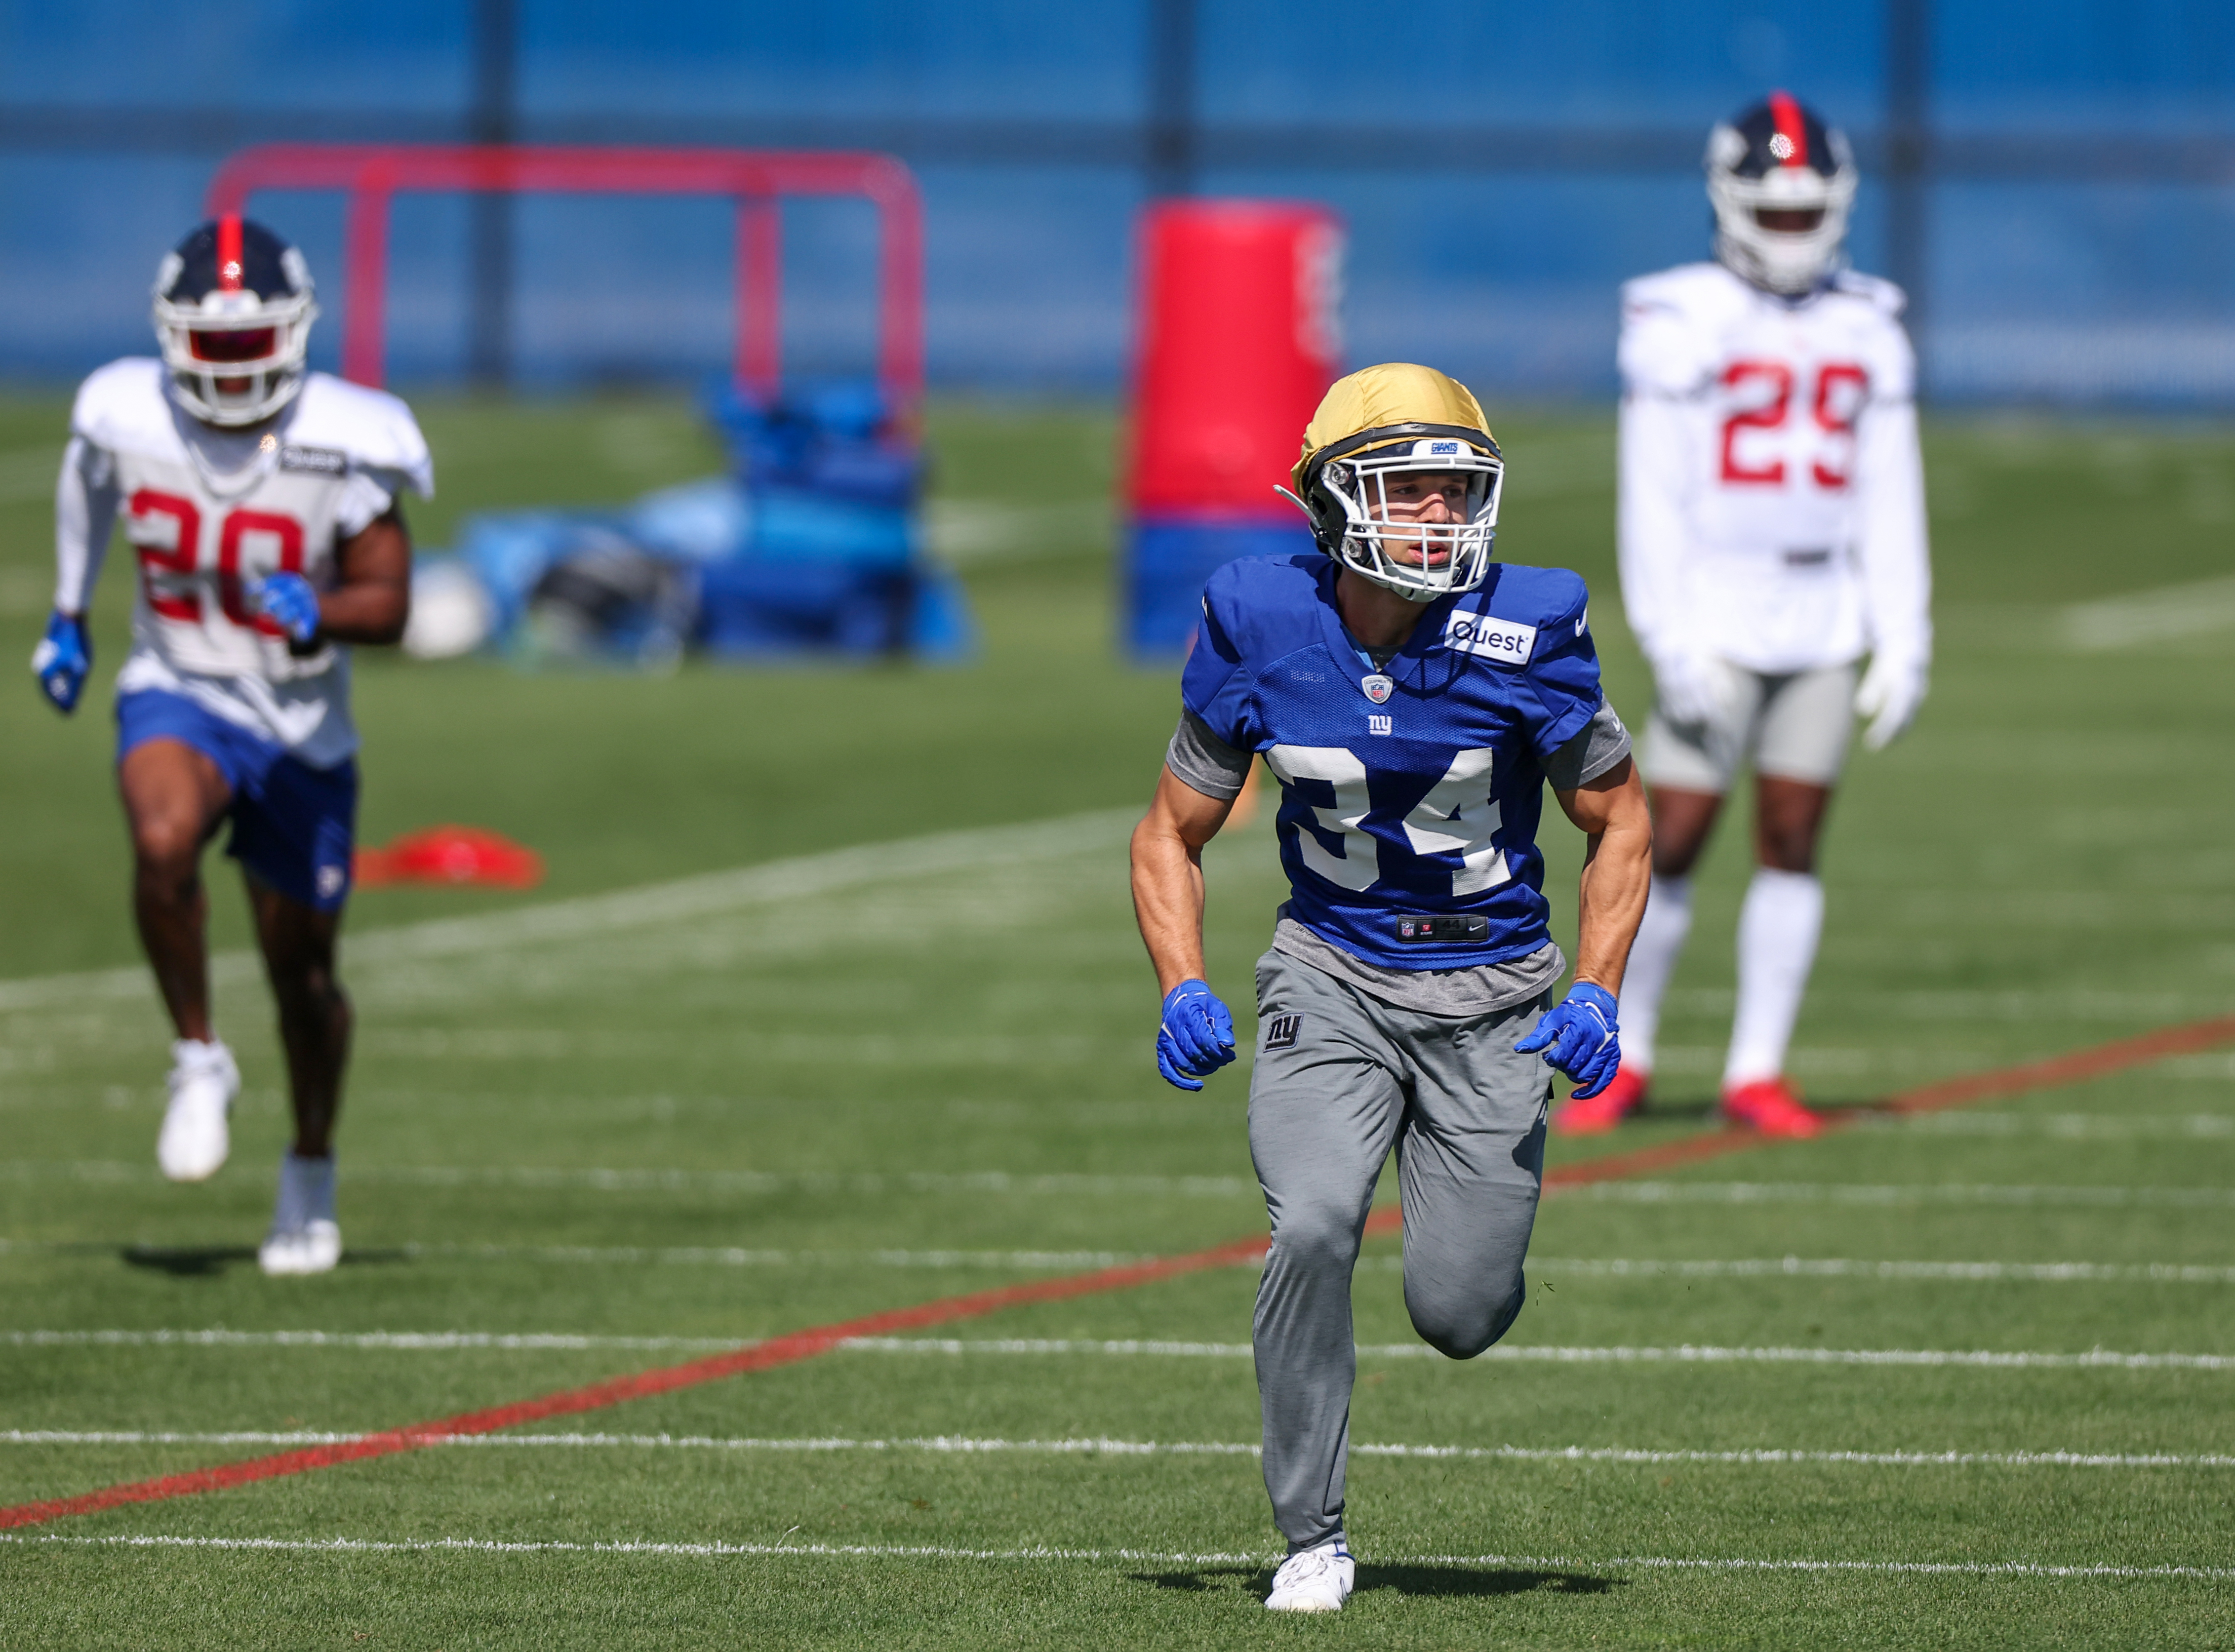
1747, 263
1413, 594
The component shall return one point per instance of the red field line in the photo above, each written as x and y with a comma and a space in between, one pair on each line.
2075, 1068
760, 1356
2079, 1065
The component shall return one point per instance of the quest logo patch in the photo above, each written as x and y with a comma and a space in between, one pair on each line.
319, 462
1507, 641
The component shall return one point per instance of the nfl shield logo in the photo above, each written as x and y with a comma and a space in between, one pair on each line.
1377, 688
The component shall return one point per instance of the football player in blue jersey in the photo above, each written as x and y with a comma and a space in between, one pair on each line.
1412, 699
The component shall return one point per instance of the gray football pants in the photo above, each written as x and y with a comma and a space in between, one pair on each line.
1334, 1090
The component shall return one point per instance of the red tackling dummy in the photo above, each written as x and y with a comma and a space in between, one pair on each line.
451, 854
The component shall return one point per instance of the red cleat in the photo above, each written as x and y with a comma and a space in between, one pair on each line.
1597, 1114
1771, 1106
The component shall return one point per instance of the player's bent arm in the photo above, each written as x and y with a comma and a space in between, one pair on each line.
373, 599
1611, 813
1654, 469
85, 511
1893, 544
1168, 876
1896, 571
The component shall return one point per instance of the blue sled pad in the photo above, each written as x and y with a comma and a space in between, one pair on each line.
773, 610
1167, 562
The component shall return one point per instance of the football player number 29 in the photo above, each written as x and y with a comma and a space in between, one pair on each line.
1768, 389
249, 543
1457, 818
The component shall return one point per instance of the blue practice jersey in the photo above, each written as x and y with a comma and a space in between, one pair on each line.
1409, 797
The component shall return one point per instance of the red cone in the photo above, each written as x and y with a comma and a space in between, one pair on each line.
450, 854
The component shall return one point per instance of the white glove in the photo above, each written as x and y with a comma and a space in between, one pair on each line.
1892, 689
1690, 688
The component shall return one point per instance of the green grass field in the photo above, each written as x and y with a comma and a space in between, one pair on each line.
910, 1059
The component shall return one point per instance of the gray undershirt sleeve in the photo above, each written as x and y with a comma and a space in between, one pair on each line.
1596, 747
1204, 762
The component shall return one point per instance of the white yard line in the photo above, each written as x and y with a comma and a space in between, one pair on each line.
685, 1255
2068, 1126
614, 1179
2219, 1065
447, 1341
1134, 1556
410, 1341
682, 899
964, 1445
723, 1257
967, 532
2043, 1273
1909, 1193
1954, 907
2150, 616
2038, 1273
1506, 1352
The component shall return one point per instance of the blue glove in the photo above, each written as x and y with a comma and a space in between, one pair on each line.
1579, 1036
1196, 1036
288, 601
62, 660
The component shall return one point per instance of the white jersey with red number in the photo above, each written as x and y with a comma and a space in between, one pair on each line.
1772, 495
206, 511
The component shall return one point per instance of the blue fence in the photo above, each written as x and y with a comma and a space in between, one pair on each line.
2054, 179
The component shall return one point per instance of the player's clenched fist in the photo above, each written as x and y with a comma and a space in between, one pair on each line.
62, 660
1195, 1038
289, 602
1578, 1036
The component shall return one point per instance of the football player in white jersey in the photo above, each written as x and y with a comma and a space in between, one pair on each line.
261, 502
1772, 537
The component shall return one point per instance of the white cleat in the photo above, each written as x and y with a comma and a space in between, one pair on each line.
314, 1248
304, 1237
194, 1138
1318, 1579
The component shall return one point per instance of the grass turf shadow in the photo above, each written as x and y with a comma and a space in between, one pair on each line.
1481, 1580
203, 1261
1488, 1580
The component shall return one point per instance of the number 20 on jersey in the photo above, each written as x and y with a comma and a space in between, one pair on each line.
250, 543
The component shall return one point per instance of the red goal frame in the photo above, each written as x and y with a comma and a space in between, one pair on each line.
756, 179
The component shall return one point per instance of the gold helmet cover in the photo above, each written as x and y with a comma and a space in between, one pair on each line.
1384, 423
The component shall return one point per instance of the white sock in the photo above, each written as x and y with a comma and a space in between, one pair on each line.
307, 1193
1652, 961
1777, 930
199, 1053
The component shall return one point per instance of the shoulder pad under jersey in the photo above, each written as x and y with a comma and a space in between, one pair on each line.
1532, 624
1520, 614
1258, 608
374, 429
1871, 319
1671, 326
122, 409
1876, 290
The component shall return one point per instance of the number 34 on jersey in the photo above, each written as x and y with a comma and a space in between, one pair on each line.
1458, 817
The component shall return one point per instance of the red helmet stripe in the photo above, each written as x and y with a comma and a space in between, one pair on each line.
228, 253
1789, 126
